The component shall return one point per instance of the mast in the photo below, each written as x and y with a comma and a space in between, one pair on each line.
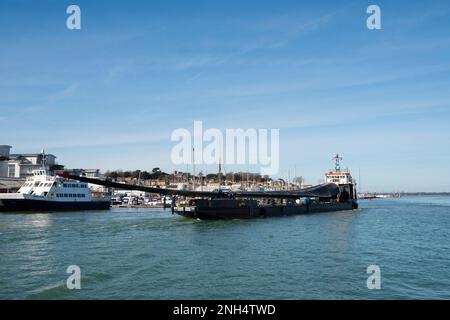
337, 165
220, 174
193, 168
43, 159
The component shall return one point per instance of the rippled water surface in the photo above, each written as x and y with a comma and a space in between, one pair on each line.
151, 254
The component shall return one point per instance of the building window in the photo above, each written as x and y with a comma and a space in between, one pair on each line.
11, 170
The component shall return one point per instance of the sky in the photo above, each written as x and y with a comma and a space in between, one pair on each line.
109, 95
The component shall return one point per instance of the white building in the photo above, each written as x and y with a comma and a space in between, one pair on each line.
22, 165
4, 157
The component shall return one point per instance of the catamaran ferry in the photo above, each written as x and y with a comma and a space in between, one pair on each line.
43, 192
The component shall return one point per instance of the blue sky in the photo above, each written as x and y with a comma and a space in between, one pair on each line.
109, 95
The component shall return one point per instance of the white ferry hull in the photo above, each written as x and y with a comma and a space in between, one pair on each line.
14, 203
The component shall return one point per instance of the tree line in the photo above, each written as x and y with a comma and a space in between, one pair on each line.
157, 174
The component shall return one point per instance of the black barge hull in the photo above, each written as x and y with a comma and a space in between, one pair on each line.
227, 213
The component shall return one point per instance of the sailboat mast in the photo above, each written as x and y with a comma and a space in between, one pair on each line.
220, 174
193, 168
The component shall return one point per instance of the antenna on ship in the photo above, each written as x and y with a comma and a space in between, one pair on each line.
337, 165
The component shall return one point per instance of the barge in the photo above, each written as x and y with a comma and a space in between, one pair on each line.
338, 193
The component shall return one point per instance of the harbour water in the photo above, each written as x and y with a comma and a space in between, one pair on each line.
151, 254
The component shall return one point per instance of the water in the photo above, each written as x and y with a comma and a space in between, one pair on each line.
150, 254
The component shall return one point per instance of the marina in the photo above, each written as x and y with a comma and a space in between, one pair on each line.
336, 194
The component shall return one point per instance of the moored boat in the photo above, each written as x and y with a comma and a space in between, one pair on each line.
43, 192
336, 194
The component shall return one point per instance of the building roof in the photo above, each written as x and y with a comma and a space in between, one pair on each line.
30, 155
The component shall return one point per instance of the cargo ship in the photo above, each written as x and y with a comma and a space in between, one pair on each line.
338, 193
45, 192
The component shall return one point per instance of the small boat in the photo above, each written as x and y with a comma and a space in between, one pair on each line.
44, 192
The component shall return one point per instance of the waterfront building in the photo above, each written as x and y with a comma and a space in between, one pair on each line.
4, 157
20, 166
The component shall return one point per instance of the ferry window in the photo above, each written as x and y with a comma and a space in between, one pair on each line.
83, 195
